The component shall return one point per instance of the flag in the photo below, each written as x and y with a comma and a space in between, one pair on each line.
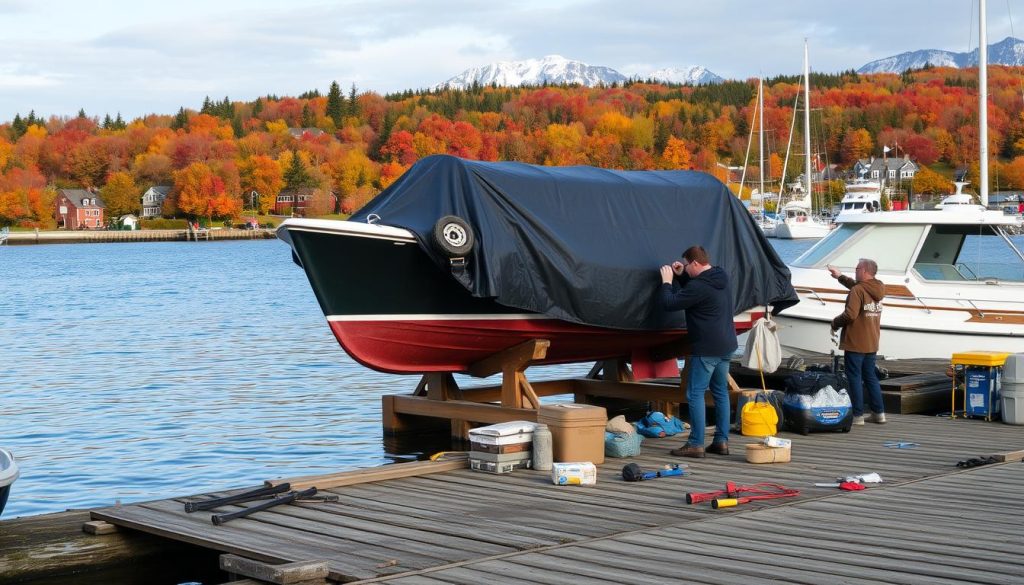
885, 149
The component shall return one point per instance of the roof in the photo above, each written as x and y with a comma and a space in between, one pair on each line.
163, 190
951, 216
77, 195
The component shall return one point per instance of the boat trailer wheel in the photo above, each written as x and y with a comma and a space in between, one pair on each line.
453, 236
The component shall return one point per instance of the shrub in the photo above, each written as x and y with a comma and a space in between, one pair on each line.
164, 224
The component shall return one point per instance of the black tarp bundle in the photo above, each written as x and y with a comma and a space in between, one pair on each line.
583, 244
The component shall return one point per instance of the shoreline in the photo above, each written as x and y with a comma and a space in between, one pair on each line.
111, 236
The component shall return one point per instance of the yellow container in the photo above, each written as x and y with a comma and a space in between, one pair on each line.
980, 358
577, 431
758, 419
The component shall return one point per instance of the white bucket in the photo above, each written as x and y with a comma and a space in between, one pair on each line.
577, 473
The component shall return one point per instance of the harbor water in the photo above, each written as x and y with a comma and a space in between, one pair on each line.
139, 371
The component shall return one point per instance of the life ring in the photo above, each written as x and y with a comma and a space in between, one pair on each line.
453, 236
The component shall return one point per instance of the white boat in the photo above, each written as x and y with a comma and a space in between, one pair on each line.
797, 220
8, 474
954, 278
862, 196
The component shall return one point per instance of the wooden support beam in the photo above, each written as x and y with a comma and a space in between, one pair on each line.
98, 527
460, 409
517, 357
286, 574
639, 391
357, 476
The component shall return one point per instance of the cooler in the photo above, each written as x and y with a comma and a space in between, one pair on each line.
577, 431
982, 379
1012, 390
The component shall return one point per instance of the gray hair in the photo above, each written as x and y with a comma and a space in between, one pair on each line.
870, 266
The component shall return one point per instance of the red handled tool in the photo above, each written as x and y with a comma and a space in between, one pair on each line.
730, 496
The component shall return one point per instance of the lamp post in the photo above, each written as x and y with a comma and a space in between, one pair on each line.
253, 198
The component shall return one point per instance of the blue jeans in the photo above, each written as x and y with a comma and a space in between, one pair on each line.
860, 371
708, 372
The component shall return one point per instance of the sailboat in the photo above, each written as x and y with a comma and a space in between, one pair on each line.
796, 218
954, 278
767, 224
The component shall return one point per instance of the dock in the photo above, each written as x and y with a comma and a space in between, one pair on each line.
107, 236
930, 521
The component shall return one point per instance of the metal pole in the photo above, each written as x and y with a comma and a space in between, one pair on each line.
983, 103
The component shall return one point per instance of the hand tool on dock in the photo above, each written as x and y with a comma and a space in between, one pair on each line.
219, 519
730, 496
633, 472
255, 494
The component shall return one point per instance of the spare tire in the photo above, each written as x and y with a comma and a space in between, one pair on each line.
453, 236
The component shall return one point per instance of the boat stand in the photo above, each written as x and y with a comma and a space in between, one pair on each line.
437, 395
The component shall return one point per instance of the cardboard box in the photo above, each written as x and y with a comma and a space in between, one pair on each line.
577, 431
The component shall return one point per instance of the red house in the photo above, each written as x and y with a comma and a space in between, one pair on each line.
78, 209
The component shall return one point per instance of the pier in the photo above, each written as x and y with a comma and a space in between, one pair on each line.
437, 522
104, 236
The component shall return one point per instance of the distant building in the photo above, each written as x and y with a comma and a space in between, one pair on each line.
153, 200
300, 132
129, 221
888, 171
293, 201
77, 209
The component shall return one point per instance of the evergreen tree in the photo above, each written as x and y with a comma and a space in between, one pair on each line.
32, 119
107, 122
353, 105
237, 127
207, 106
257, 108
180, 119
308, 120
296, 176
18, 127
335, 104
119, 123
81, 113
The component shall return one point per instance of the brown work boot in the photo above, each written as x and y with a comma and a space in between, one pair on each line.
719, 448
695, 451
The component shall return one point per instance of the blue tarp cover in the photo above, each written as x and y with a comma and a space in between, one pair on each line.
583, 244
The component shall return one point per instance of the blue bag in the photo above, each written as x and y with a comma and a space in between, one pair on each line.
618, 444
656, 424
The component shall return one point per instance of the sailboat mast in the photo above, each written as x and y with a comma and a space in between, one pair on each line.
760, 133
983, 103
807, 125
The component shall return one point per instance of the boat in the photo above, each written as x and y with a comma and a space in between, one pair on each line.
797, 220
954, 278
8, 474
862, 196
460, 260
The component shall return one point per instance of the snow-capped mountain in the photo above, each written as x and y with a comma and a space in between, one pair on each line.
694, 75
1009, 51
552, 69
555, 70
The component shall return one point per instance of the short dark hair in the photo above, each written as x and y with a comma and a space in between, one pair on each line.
696, 254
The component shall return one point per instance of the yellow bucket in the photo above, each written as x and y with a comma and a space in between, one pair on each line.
758, 419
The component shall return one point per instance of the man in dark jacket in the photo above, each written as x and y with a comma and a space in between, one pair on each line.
703, 291
861, 324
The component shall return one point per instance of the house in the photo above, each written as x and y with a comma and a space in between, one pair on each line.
129, 222
298, 133
153, 200
888, 171
293, 201
78, 209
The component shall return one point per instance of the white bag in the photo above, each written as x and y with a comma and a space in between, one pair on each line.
764, 339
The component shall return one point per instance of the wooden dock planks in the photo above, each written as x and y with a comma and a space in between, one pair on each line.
929, 523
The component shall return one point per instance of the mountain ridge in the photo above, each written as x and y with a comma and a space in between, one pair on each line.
1009, 51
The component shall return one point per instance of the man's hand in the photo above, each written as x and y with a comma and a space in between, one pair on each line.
678, 267
666, 274
835, 272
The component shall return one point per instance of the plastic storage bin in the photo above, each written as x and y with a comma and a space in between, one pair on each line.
1013, 390
577, 431
982, 380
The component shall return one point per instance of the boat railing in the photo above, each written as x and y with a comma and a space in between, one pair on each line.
810, 291
931, 304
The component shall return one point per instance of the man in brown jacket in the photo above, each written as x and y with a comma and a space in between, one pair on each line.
861, 324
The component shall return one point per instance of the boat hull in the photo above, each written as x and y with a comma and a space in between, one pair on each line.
392, 309
806, 230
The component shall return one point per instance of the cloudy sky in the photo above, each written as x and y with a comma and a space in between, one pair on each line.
137, 57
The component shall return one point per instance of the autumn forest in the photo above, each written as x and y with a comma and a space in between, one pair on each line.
360, 142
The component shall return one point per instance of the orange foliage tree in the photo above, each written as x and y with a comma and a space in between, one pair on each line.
200, 192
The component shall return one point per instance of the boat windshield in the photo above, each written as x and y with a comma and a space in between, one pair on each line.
970, 253
892, 246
